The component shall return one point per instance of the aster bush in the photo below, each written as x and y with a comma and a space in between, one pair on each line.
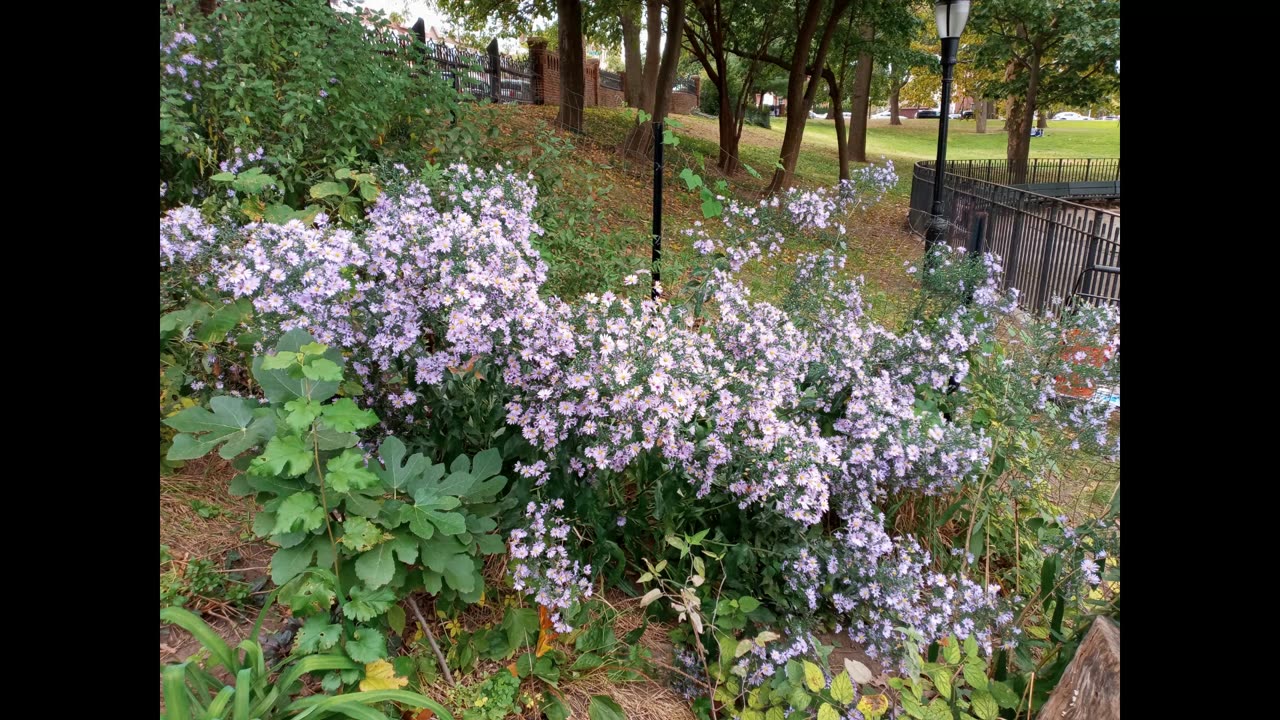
843, 475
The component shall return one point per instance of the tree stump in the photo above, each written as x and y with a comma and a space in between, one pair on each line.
1090, 688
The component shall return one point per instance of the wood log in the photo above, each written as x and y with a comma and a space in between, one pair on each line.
1090, 688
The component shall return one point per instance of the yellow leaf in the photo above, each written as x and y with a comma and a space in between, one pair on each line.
380, 675
826, 712
873, 706
813, 677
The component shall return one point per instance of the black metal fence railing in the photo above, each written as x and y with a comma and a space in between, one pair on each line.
611, 80
483, 74
685, 85
1051, 248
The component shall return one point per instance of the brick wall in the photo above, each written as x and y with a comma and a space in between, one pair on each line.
546, 84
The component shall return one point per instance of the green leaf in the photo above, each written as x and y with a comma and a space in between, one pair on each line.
302, 412
587, 661
491, 544
911, 705
279, 361
358, 534
344, 415
546, 670
842, 688
279, 386
828, 712
347, 472
603, 707
300, 512
328, 189
813, 677
366, 645
223, 177
691, 181
396, 619
971, 647
396, 474
460, 573
951, 650
775, 713
317, 634
975, 674
711, 207
323, 369
252, 181
288, 562
984, 705
223, 321
284, 455
748, 604
941, 681
425, 518
937, 710
1004, 696
366, 604
377, 566
329, 439
554, 709
486, 464
231, 422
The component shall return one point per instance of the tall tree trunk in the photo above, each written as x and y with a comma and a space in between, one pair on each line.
842, 147
895, 103
861, 99
208, 6
631, 63
980, 116
1019, 143
800, 99
640, 140
1042, 120
573, 79
652, 53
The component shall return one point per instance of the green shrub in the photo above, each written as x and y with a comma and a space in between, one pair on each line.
296, 87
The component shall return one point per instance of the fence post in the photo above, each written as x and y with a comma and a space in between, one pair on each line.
537, 66
978, 238
1092, 258
657, 205
1050, 232
495, 72
1015, 242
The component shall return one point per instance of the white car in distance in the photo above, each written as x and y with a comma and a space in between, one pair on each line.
1069, 116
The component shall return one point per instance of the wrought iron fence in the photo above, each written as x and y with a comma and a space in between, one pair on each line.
1051, 247
685, 85
611, 80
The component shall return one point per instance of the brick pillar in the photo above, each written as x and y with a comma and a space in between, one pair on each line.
591, 68
538, 65
697, 90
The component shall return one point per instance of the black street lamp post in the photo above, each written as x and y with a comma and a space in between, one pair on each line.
951, 16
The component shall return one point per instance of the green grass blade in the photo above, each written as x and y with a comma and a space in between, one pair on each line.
174, 682
243, 690
361, 712
192, 623
253, 657
318, 703
218, 707
313, 663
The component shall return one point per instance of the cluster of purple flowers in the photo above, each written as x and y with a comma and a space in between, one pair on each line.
417, 291
179, 57
540, 563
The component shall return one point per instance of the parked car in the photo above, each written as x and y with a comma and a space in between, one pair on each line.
966, 115
885, 115
928, 114
954, 116
1110, 117
1069, 116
